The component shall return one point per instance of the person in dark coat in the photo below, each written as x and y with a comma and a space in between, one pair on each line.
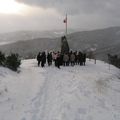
84, 58
39, 58
49, 59
43, 60
58, 60
80, 58
76, 60
61, 59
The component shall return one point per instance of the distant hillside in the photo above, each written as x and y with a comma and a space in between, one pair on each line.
104, 41
30, 48
6, 38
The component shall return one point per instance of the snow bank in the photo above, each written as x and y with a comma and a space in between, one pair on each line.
90, 92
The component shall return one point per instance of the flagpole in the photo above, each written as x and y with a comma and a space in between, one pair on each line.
66, 25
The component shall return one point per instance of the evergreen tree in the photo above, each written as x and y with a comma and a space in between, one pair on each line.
114, 60
13, 62
2, 59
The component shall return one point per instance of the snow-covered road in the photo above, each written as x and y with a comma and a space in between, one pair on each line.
90, 92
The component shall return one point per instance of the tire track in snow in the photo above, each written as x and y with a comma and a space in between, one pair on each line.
39, 101
51, 98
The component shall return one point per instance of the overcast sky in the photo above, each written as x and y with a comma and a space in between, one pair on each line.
49, 14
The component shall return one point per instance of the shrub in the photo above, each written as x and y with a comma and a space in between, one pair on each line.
114, 60
2, 59
13, 62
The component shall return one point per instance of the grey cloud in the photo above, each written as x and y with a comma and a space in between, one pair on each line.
91, 14
30, 22
88, 14
79, 6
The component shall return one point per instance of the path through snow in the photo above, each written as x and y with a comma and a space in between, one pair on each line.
70, 93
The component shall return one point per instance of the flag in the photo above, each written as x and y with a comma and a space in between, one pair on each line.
65, 20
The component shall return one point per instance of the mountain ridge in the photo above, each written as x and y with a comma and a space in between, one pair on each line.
103, 40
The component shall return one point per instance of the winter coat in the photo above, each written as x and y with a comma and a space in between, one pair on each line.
39, 57
72, 57
84, 57
65, 58
43, 58
54, 56
49, 57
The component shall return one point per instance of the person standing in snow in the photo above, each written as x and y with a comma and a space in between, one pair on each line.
43, 59
39, 58
72, 59
84, 58
55, 58
58, 60
66, 59
76, 60
49, 58
81, 58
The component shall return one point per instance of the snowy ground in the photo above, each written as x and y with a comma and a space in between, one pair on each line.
70, 93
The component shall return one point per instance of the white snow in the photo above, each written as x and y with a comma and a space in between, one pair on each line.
90, 92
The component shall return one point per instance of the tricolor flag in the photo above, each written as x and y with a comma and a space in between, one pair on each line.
65, 20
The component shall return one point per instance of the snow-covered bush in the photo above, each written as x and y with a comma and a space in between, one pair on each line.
114, 60
13, 62
2, 58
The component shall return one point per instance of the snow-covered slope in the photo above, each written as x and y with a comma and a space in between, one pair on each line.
90, 92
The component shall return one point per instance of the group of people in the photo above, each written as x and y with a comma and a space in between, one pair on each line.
66, 59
